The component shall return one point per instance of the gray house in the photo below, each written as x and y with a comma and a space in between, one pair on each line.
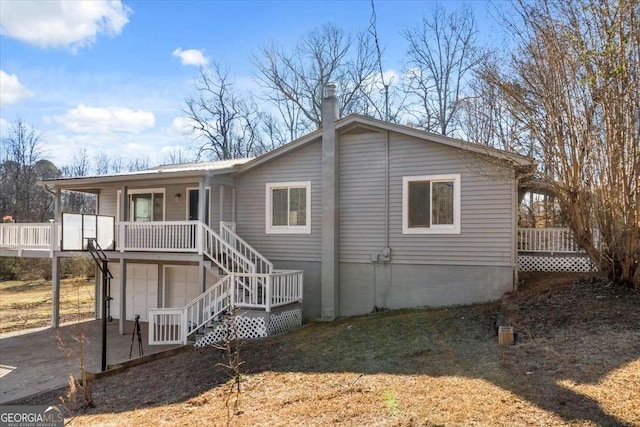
366, 214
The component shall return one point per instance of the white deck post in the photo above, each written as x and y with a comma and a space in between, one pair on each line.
269, 290
122, 216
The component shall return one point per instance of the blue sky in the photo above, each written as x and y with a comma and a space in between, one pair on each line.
112, 76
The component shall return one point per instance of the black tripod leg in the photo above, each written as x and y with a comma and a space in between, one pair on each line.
140, 349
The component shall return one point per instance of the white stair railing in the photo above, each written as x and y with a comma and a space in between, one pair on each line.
175, 325
229, 259
223, 253
227, 233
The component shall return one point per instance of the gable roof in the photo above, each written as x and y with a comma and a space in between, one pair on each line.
357, 120
352, 121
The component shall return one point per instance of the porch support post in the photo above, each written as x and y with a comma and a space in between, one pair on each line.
202, 276
221, 202
330, 288
122, 216
57, 220
202, 188
123, 296
233, 204
55, 296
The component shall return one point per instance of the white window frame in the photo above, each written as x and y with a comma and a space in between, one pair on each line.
438, 228
286, 229
141, 191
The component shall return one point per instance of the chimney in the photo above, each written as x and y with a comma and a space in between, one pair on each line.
329, 257
329, 104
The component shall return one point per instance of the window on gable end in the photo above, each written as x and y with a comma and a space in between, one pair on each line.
431, 204
288, 208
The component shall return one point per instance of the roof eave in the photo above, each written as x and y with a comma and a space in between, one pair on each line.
152, 175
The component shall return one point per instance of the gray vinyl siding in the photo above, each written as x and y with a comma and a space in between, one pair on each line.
362, 196
107, 202
486, 203
486, 206
175, 209
301, 165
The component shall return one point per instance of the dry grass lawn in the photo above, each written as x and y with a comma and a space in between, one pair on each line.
27, 304
576, 362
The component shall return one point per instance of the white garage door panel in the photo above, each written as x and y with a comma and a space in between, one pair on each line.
181, 285
142, 290
114, 308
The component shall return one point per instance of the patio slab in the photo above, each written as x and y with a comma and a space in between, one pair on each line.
42, 360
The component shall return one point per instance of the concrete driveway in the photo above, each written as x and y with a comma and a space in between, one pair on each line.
44, 359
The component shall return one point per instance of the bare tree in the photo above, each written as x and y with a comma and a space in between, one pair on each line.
442, 54
575, 84
138, 164
21, 165
73, 201
485, 117
104, 163
295, 79
226, 122
178, 155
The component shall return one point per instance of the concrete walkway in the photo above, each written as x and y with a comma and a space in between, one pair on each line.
34, 362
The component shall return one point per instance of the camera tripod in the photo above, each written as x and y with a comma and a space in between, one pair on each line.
136, 331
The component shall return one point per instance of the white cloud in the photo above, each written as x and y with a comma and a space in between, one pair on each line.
181, 126
4, 128
11, 90
191, 57
105, 120
60, 23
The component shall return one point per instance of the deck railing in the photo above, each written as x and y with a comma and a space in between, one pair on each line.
268, 291
36, 236
175, 325
552, 240
158, 236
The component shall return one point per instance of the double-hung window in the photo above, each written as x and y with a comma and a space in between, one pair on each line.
431, 204
288, 208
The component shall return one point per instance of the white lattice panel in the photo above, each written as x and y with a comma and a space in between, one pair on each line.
285, 321
578, 264
246, 327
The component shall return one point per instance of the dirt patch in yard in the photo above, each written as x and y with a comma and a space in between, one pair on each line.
576, 362
28, 304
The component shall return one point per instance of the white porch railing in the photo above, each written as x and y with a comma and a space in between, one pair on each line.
175, 325
26, 236
270, 290
228, 234
158, 236
165, 326
550, 240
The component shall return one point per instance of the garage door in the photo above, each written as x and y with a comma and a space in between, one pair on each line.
142, 290
181, 284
